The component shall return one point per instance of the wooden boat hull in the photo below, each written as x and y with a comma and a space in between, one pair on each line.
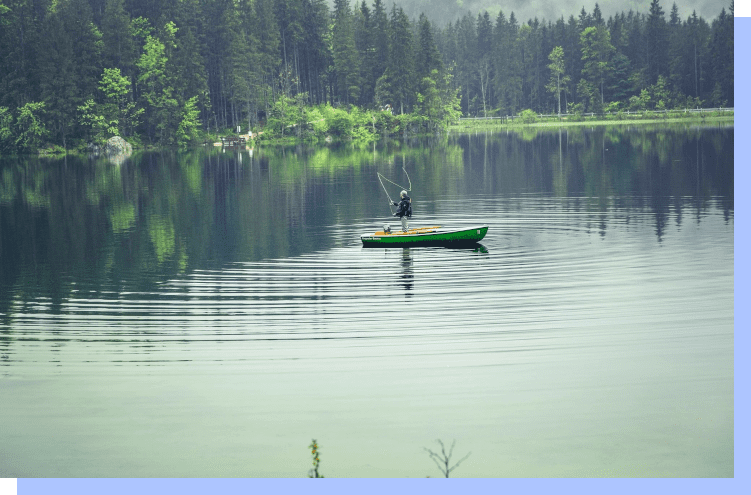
426, 236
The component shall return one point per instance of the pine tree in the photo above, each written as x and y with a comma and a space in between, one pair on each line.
722, 58
381, 35
315, 53
22, 35
427, 57
400, 65
484, 63
501, 55
466, 63
118, 49
699, 34
266, 32
365, 52
57, 79
657, 41
344, 52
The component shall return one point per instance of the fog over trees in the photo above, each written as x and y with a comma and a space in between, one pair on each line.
444, 11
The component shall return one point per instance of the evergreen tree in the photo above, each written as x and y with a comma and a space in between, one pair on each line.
366, 53
484, 62
698, 32
677, 59
427, 58
381, 35
572, 51
189, 59
502, 40
722, 58
118, 49
56, 73
657, 42
289, 17
344, 53
315, 52
266, 32
515, 79
466, 63
21, 36
246, 80
78, 20
400, 64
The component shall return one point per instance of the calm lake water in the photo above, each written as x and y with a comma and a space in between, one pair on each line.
206, 314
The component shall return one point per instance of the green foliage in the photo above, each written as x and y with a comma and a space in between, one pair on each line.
91, 118
187, 130
363, 124
6, 130
114, 85
558, 81
590, 97
386, 123
30, 129
438, 102
318, 126
613, 107
115, 115
283, 116
528, 116
314, 451
340, 122
575, 111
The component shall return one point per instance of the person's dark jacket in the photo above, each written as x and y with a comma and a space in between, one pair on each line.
403, 209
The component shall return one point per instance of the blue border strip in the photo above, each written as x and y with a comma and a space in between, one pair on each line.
741, 151
367, 486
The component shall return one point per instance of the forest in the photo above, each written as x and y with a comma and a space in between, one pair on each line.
171, 72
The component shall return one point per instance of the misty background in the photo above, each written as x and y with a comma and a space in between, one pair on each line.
440, 12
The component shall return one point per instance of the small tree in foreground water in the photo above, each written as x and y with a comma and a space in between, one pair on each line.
442, 460
313, 473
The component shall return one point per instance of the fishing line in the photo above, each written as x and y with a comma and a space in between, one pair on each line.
391, 201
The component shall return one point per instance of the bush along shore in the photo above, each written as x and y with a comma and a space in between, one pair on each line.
324, 124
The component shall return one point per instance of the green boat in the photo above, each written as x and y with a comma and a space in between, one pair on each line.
426, 236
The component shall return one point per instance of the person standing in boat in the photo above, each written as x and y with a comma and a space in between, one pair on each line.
404, 210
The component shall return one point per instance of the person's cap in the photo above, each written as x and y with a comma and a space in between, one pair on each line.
404, 193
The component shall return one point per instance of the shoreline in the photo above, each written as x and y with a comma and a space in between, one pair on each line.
475, 125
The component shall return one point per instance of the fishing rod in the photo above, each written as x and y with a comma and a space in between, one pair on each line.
381, 178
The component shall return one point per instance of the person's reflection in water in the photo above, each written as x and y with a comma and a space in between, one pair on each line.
407, 274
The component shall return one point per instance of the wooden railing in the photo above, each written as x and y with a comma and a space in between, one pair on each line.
233, 141
512, 118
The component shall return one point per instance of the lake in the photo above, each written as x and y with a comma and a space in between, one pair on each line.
208, 313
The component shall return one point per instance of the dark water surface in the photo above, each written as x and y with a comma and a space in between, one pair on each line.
207, 314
